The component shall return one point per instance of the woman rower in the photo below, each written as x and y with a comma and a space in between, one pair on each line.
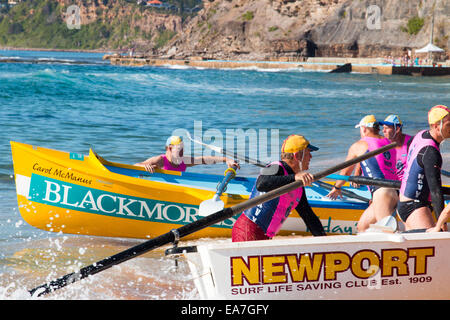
174, 160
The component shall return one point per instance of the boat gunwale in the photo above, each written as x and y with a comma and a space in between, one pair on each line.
104, 174
286, 241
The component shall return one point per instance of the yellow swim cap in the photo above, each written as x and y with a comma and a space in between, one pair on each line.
437, 113
295, 143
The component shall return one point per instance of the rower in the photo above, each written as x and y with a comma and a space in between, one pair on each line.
392, 129
422, 178
382, 166
265, 220
174, 160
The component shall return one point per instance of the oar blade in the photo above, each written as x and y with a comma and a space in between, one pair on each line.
388, 223
210, 206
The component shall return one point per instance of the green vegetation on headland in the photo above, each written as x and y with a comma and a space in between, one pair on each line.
414, 25
41, 24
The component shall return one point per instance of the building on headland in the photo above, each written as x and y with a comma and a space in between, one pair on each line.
155, 3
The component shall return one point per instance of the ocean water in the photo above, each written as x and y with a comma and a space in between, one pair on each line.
76, 101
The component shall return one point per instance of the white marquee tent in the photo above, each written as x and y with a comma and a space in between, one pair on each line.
429, 48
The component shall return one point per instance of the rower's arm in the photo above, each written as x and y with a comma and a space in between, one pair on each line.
432, 162
272, 177
307, 214
211, 160
443, 218
153, 162
354, 151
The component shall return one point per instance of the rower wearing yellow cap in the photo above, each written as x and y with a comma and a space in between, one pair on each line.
422, 178
265, 220
381, 166
174, 160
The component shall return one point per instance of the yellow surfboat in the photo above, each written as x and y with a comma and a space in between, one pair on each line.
85, 194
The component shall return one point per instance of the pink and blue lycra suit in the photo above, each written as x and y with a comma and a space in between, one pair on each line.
382, 166
168, 166
270, 215
265, 220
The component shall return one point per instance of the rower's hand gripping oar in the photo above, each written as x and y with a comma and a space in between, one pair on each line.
190, 228
215, 204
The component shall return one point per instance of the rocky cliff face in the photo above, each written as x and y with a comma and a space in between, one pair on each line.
294, 29
131, 17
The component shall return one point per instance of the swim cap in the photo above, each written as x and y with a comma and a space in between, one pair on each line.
392, 120
295, 143
368, 121
174, 140
437, 113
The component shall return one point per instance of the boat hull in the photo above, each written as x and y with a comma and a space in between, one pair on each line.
364, 266
85, 194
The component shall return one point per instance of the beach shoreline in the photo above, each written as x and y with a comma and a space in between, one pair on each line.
373, 65
322, 64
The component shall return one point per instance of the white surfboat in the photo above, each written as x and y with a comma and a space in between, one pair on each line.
371, 265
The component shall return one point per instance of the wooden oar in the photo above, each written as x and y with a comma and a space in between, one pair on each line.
215, 204
227, 153
175, 234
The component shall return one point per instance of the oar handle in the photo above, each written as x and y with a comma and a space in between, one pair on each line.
230, 173
190, 228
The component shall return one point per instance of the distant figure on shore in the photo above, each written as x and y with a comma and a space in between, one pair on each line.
391, 60
381, 166
422, 177
174, 160
405, 60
